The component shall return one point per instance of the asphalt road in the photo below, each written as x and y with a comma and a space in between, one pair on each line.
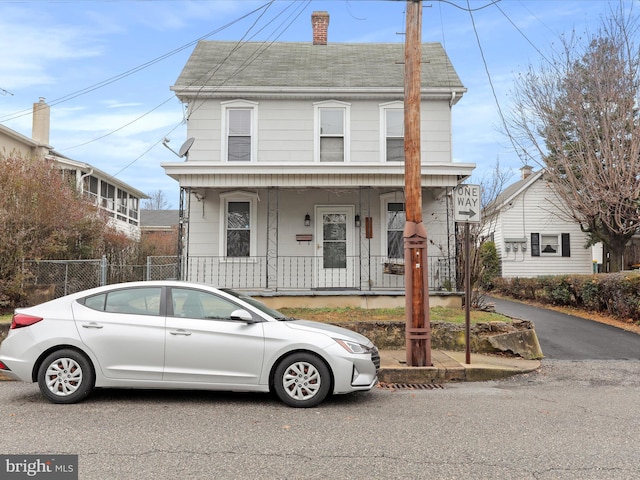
566, 337
572, 419
569, 420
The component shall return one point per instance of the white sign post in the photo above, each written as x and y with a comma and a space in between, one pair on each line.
466, 209
466, 202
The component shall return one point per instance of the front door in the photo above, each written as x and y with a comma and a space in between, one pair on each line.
335, 261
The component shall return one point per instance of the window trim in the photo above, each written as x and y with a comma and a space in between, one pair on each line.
383, 109
225, 107
346, 135
238, 196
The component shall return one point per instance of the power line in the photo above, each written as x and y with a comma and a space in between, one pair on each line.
134, 70
244, 65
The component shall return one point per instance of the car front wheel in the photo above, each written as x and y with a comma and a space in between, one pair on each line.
302, 380
66, 376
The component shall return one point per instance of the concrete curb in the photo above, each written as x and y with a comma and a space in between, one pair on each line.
447, 367
450, 367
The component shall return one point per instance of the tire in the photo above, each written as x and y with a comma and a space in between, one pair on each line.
66, 376
302, 380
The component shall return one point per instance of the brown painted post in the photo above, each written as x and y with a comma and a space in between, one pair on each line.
418, 328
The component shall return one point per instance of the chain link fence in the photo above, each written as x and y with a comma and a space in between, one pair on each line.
48, 279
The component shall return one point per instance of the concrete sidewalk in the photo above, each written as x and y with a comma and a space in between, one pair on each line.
450, 366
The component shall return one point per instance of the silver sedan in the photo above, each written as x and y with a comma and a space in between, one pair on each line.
178, 335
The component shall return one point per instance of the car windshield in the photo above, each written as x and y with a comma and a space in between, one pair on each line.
255, 303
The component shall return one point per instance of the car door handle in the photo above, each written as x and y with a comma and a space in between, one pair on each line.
91, 325
180, 332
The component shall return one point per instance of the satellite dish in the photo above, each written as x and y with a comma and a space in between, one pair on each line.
184, 149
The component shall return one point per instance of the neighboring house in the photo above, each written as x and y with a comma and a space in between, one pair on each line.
295, 177
120, 201
531, 234
159, 221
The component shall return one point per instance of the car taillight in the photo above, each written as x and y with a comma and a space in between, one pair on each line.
4, 367
21, 320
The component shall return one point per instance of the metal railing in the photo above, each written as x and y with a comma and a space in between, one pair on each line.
282, 273
309, 273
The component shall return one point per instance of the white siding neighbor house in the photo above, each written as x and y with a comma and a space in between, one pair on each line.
532, 236
294, 180
120, 201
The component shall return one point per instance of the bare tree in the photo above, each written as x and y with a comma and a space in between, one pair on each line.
156, 201
577, 117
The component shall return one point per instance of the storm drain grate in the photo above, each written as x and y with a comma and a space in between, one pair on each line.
410, 386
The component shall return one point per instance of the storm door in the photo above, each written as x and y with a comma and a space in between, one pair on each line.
335, 259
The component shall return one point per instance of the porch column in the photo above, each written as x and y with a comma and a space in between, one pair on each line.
273, 198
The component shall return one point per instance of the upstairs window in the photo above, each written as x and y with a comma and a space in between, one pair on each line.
108, 196
332, 132
331, 135
239, 135
394, 135
239, 126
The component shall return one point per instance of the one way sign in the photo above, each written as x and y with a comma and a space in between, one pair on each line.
466, 201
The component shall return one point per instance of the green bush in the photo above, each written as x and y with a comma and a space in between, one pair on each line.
616, 294
490, 265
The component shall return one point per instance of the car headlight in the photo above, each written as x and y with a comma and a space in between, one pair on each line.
353, 347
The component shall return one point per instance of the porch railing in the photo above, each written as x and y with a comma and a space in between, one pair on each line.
308, 273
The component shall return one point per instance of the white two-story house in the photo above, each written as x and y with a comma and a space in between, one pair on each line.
295, 174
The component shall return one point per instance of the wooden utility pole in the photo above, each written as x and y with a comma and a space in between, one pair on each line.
418, 327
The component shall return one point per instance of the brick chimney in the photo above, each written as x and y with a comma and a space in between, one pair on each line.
526, 171
320, 23
41, 121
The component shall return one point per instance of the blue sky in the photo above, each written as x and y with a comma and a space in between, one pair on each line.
105, 67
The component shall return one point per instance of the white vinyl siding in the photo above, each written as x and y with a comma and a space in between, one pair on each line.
529, 225
286, 131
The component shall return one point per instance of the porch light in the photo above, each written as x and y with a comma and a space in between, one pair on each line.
307, 220
357, 220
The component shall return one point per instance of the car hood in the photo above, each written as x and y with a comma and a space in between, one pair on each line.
328, 329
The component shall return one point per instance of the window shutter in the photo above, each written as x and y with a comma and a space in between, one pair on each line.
535, 244
566, 248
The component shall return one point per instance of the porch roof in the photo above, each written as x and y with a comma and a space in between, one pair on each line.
224, 175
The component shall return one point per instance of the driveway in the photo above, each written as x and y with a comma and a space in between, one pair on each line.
566, 337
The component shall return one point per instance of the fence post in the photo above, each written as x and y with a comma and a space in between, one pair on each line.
148, 268
103, 271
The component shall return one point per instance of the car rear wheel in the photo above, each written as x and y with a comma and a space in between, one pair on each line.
302, 380
66, 376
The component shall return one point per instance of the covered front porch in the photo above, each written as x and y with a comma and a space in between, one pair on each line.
296, 233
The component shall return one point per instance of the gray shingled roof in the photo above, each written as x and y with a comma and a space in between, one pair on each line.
336, 65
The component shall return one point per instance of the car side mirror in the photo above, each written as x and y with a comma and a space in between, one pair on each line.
242, 315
